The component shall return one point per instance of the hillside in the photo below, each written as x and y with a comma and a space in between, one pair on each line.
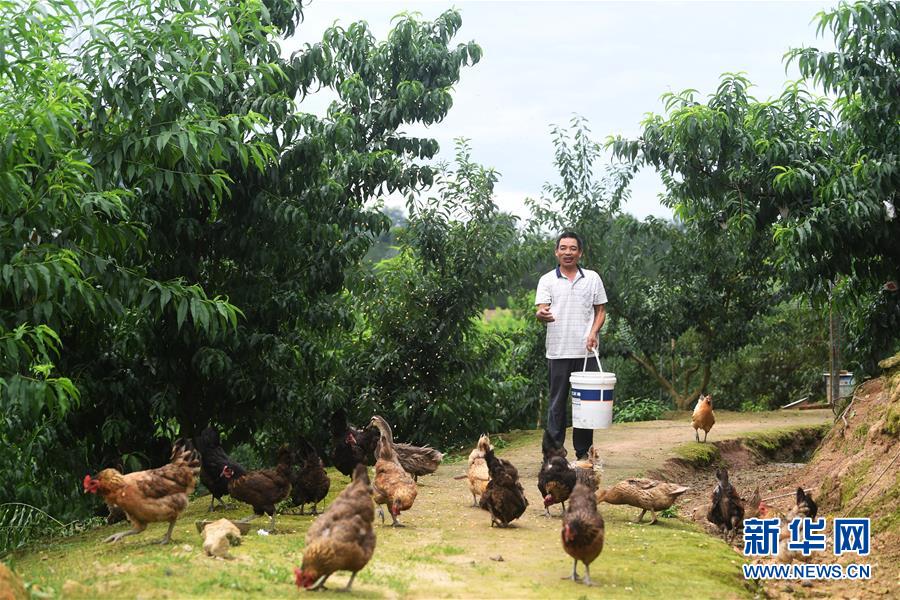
856, 473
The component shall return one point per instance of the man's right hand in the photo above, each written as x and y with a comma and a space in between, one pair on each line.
544, 315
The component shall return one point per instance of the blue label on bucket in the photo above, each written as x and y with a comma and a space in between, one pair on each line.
605, 395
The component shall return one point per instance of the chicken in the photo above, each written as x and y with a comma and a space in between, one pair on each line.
261, 489
393, 486
804, 507
11, 586
703, 418
341, 538
556, 478
727, 509
504, 497
351, 446
754, 507
418, 460
212, 459
590, 470
582, 531
477, 473
151, 496
309, 481
646, 494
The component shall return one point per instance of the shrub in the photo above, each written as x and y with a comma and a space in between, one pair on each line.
638, 409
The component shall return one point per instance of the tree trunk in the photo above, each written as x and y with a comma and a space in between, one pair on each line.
834, 363
683, 401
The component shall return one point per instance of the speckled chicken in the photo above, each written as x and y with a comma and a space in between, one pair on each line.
646, 494
418, 460
583, 530
478, 473
393, 486
727, 508
309, 480
557, 478
589, 470
504, 496
703, 418
341, 538
151, 496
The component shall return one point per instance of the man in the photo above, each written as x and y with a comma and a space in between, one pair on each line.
570, 300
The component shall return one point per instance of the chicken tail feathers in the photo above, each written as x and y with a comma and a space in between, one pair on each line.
183, 451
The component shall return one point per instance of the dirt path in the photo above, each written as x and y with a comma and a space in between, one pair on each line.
533, 560
447, 549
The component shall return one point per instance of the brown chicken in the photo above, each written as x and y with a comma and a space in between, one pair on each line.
393, 486
341, 538
754, 507
589, 471
557, 478
646, 494
727, 509
309, 480
151, 496
478, 473
504, 496
261, 489
703, 418
582, 531
11, 587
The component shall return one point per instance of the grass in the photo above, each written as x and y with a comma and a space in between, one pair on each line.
446, 550
638, 560
852, 481
796, 439
698, 454
891, 520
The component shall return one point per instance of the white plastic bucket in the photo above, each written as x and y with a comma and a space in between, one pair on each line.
592, 397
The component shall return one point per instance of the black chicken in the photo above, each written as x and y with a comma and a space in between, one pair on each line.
727, 510
806, 506
557, 477
309, 481
504, 496
212, 460
351, 446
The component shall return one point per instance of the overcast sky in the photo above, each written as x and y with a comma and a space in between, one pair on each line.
607, 61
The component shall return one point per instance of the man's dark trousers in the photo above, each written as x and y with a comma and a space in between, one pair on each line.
560, 370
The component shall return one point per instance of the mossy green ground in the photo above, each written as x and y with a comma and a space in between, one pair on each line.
448, 549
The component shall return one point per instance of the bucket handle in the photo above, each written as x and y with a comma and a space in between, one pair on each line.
597, 356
